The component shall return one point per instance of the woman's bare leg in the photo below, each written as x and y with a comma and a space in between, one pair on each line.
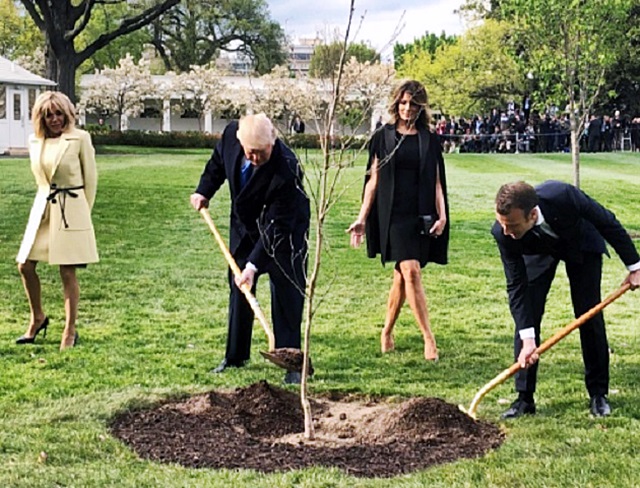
394, 304
418, 302
71, 299
31, 283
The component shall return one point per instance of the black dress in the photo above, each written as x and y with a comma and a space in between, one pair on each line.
405, 241
407, 175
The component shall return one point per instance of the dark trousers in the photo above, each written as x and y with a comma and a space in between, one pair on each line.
584, 281
287, 282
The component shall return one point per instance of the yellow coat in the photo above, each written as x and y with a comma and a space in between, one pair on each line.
74, 166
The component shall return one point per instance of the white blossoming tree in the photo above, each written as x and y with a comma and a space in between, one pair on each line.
279, 97
200, 90
120, 91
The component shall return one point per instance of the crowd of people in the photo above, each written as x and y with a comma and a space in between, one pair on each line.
517, 131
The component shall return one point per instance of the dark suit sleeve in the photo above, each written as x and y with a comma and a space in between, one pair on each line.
606, 224
214, 173
284, 220
517, 282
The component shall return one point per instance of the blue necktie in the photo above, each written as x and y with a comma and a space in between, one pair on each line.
245, 174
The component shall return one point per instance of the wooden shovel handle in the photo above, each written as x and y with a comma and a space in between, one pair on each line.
546, 345
566, 330
245, 288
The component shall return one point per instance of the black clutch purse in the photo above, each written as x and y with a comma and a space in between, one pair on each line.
425, 222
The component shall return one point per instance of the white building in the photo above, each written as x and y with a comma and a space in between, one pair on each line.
300, 53
18, 91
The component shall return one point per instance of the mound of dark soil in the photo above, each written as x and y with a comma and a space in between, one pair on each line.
259, 427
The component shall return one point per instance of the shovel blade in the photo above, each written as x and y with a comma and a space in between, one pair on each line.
288, 358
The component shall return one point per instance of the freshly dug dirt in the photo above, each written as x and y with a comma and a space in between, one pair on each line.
261, 427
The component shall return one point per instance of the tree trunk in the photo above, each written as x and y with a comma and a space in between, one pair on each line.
67, 76
51, 62
61, 67
62, 20
312, 281
575, 150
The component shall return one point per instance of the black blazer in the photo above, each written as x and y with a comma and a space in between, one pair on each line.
272, 210
379, 219
582, 225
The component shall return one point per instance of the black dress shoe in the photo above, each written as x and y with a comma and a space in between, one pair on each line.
519, 408
292, 378
600, 406
31, 340
225, 363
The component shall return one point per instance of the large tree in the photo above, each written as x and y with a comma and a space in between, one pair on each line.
326, 57
568, 46
105, 18
428, 43
474, 74
197, 30
18, 35
62, 21
622, 87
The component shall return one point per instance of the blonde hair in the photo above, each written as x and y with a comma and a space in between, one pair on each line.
256, 132
44, 104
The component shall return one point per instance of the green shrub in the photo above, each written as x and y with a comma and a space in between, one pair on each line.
103, 136
190, 140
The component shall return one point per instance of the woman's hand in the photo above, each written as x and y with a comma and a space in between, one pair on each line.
438, 227
357, 233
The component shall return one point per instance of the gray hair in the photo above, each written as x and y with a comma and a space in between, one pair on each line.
256, 131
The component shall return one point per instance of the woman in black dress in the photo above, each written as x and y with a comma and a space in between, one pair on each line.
404, 210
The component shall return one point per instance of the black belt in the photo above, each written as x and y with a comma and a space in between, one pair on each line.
63, 192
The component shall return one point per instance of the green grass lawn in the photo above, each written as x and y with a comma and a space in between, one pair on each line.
153, 323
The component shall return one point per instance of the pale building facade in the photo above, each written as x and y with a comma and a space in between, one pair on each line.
18, 91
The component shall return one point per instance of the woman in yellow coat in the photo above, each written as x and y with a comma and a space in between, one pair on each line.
59, 230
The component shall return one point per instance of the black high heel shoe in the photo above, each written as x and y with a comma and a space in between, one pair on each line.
31, 340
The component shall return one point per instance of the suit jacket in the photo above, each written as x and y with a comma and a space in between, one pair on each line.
272, 210
75, 165
379, 219
582, 225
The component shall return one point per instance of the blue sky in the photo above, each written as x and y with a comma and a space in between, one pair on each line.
380, 19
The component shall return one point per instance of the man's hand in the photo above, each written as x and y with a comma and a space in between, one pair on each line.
633, 278
247, 277
198, 201
528, 356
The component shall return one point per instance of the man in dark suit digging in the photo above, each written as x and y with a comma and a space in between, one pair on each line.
536, 228
269, 227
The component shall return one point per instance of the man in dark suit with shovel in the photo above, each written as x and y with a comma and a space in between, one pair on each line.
535, 228
269, 227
